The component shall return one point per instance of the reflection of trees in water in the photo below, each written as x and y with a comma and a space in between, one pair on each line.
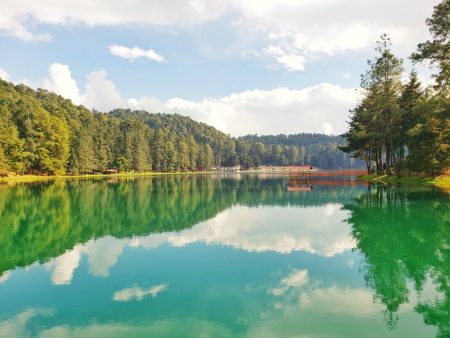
405, 237
43, 220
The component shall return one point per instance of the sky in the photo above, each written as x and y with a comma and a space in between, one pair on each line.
242, 66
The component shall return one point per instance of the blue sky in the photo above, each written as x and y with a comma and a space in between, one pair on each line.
243, 66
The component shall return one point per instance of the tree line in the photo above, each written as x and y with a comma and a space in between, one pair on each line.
400, 126
43, 133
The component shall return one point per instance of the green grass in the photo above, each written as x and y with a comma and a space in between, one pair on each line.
33, 178
441, 181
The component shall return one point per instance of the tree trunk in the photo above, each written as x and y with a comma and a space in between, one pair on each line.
388, 160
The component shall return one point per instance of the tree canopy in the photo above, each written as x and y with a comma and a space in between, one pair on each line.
400, 125
43, 133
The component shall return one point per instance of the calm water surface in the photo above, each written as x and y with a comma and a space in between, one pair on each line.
236, 256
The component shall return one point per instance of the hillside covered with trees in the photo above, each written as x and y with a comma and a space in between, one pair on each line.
43, 133
398, 126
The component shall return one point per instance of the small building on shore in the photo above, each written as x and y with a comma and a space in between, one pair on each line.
112, 171
231, 168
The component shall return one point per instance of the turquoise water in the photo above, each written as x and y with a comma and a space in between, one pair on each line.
233, 256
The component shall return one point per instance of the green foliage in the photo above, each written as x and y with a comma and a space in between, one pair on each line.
401, 126
404, 236
437, 50
43, 133
122, 164
43, 220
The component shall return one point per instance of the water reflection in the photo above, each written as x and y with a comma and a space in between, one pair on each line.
42, 221
222, 257
404, 235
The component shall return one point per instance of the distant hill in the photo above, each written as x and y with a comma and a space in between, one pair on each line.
44, 133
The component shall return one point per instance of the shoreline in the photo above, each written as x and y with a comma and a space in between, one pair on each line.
37, 178
442, 182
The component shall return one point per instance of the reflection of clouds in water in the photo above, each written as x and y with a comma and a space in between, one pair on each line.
103, 254
317, 230
138, 293
5, 276
295, 279
355, 302
302, 306
65, 265
16, 326
308, 295
149, 242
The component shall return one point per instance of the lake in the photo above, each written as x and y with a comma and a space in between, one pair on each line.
223, 256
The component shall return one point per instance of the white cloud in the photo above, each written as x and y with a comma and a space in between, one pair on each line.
135, 53
61, 82
335, 26
18, 18
4, 75
301, 30
101, 93
291, 60
320, 108
138, 293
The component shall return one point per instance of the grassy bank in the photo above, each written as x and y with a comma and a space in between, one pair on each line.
35, 178
442, 181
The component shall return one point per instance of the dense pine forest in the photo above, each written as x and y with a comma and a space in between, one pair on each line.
43, 133
405, 127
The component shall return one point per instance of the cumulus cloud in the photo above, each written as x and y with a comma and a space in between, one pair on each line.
138, 293
311, 28
292, 31
18, 18
101, 93
135, 53
291, 60
60, 81
320, 108
4, 75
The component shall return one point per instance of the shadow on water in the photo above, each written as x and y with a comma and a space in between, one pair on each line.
404, 235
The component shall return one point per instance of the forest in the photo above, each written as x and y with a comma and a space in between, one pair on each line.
403, 127
43, 133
